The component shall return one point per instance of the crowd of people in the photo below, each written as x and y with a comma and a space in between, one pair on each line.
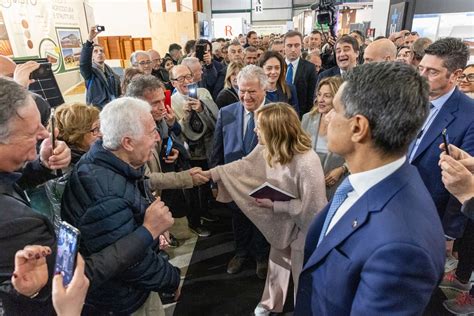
355, 122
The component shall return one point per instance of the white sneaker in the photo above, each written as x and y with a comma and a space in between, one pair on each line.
261, 311
451, 264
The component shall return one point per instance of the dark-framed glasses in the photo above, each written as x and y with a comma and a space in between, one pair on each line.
468, 77
181, 79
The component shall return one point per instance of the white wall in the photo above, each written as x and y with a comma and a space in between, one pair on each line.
364, 15
379, 16
122, 17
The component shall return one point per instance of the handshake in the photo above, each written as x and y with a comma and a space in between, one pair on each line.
199, 176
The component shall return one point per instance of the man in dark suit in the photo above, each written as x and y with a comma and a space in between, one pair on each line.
301, 73
451, 110
378, 247
234, 138
347, 53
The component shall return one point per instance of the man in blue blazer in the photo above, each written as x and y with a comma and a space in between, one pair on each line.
451, 110
234, 138
378, 247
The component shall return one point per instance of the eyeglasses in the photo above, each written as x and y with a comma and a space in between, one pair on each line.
411, 33
95, 131
182, 78
144, 63
468, 78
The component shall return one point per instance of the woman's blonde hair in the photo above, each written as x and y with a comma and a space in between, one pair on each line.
74, 121
282, 132
334, 83
231, 69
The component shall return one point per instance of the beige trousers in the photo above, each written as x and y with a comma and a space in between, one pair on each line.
281, 263
151, 307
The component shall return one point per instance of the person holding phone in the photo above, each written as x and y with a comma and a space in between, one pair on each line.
213, 71
20, 225
102, 83
457, 170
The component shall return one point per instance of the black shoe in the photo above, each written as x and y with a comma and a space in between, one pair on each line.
208, 217
173, 243
235, 265
200, 231
166, 298
261, 271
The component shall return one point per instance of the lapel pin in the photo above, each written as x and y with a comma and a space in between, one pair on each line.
354, 223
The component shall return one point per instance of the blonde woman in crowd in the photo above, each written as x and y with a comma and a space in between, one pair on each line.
229, 95
283, 158
315, 124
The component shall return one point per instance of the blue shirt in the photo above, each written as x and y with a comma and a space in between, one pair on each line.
437, 105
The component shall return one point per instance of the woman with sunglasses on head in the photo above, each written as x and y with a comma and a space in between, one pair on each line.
315, 123
283, 158
466, 81
278, 90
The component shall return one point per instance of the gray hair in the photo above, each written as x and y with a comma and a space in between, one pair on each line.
394, 99
251, 72
121, 118
133, 57
142, 84
12, 97
188, 61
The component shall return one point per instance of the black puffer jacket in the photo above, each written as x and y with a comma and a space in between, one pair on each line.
105, 198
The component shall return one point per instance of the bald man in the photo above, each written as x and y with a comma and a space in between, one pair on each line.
21, 74
380, 50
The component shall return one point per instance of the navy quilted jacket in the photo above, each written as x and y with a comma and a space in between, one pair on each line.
106, 200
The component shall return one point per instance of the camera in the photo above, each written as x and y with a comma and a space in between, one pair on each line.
100, 28
326, 13
43, 72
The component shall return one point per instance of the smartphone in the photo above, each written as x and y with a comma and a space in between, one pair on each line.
167, 100
200, 51
192, 90
43, 72
169, 146
100, 28
445, 136
52, 126
68, 242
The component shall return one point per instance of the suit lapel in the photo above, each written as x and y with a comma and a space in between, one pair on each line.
299, 70
442, 120
372, 201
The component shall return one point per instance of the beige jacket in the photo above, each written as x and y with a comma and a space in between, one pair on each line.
165, 180
303, 177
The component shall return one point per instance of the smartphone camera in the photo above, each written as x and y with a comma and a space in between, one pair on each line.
43, 72
100, 28
200, 51
68, 239
192, 91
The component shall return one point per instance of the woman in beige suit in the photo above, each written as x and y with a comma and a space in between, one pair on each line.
316, 124
283, 158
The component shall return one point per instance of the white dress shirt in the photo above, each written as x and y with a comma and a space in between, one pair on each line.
362, 182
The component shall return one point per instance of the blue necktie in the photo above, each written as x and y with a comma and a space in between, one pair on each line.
289, 74
339, 197
249, 134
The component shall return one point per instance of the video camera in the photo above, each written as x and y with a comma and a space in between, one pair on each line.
326, 13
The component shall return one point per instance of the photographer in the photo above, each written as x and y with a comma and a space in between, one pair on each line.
213, 72
196, 112
102, 83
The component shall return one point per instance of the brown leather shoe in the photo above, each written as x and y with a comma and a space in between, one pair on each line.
262, 267
235, 265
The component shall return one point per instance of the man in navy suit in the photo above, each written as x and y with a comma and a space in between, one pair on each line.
378, 247
234, 138
347, 53
451, 110
299, 72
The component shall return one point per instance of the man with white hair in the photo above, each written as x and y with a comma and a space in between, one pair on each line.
107, 197
235, 138
142, 61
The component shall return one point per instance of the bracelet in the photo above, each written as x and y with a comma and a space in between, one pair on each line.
344, 169
34, 295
